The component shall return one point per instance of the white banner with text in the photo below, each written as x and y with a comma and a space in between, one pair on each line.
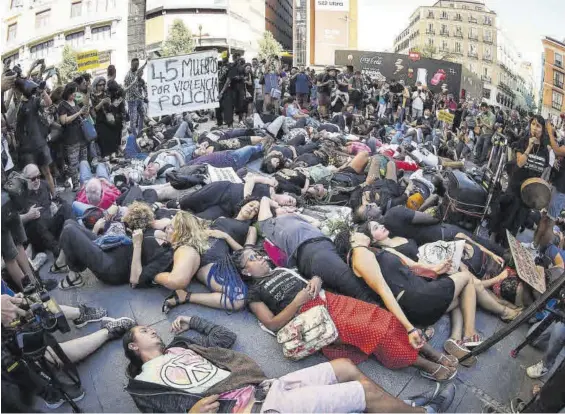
183, 83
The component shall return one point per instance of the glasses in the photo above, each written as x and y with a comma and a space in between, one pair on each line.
36, 178
253, 257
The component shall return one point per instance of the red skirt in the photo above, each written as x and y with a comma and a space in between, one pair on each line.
366, 329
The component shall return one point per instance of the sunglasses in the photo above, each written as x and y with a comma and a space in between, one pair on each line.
253, 257
36, 178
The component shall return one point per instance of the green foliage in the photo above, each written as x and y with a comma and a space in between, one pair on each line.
268, 46
179, 41
432, 52
68, 68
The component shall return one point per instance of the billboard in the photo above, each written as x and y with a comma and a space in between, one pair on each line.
438, 75
331, 33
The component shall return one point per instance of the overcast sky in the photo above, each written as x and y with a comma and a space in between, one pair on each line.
526, 22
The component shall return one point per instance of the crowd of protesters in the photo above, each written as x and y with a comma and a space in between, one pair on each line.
336, 216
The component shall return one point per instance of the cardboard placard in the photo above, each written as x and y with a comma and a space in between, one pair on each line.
525, 265
445, 116
183, 83
223, 174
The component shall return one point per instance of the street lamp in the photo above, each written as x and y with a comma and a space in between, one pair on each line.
200, 34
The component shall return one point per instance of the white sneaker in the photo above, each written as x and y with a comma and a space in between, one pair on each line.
529, 246
38, 261
536, 370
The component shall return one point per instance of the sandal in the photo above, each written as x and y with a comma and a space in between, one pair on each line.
433, 376
176, 301
54, 269
472, 341
71, 284
450, 360
458, 351
428, 333
510, 314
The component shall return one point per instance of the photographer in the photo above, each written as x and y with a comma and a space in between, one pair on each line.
43, 226
30, 131
74, 350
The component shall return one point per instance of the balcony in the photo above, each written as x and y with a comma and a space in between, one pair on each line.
474, 37
444, 33
430, 15
487, 22
473, 55
444, 17
458, 18
473, 20
431, 32
486, 79
487, 59
487, 40
458, 34
444, 50
458, 52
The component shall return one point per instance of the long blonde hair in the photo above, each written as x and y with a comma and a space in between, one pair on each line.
189, 230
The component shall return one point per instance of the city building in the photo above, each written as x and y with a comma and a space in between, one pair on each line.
234, 25
279, 20
39, 29
465, 31
553, 78
321, 27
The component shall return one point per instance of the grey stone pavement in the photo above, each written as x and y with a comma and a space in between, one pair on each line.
496, 378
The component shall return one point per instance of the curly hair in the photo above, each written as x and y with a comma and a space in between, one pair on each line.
245, 201
342, 243
266, 165
139, 216
189, 230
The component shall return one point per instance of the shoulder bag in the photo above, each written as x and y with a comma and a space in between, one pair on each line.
88, 129
308, 332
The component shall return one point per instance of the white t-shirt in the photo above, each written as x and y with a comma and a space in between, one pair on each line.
418, 100
183, 369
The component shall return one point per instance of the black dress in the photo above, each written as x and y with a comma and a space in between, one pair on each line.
109, 123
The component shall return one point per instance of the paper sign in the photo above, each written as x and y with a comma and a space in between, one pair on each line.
223, 174
183, 83
445, 116
525, 265
88, 60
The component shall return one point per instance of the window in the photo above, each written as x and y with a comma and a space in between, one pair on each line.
444, 46
558, 78
486, 93
104, 5
485, 72
457, 47
557, 100
444, 15
11, 60
75, 39
41, 50
472, 67
472, 49
488, 53
101, 33
558, 60
430, 14
458, 17
488, 21
76, 9
15, 3
430, 41
42, 19
488, 36
430, 29
12, 31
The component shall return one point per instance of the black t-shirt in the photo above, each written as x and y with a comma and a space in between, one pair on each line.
323, 78
276, 290
234, 195
29, 128
409, 249
310, 159
155, 258
398, 276
398, 220
327, 126
41, 198
286, 151
391, 194
267, 118
538, 160
220, 249
559, 175
72, 133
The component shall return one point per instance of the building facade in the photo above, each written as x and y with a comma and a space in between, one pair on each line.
39, 29
553, 79
321, 27
234, 25
279, 21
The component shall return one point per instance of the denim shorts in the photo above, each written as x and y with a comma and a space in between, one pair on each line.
556, 204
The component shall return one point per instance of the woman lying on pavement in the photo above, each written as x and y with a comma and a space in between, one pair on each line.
279, 156
237, 384
420, 290
190, 246
222, 198
277, 296
207, 144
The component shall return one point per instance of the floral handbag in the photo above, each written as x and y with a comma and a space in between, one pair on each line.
307, 332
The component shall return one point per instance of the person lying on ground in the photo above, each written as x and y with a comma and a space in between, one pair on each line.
279, 156
96, 191
238, 384
277, 295
207, 145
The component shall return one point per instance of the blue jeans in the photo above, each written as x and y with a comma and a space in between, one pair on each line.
136, 112
86, 172
243, 155
183, 131
555, 345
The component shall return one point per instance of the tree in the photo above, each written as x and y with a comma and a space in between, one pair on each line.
179, 41
268, 46
68, 68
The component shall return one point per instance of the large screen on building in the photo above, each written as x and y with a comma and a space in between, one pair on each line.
438, 75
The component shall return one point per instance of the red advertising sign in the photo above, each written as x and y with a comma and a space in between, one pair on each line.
414, 56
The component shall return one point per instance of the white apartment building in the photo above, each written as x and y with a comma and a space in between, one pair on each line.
221, 24
35, 29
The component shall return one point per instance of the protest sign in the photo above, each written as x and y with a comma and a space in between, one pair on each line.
183, 83
223, 174
525, 265
87, 60
445, 116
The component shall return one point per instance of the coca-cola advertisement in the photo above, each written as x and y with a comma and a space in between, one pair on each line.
439, 75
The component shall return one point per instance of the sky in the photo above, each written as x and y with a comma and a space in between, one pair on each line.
525, 22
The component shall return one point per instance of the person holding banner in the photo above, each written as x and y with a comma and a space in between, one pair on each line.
134, 96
